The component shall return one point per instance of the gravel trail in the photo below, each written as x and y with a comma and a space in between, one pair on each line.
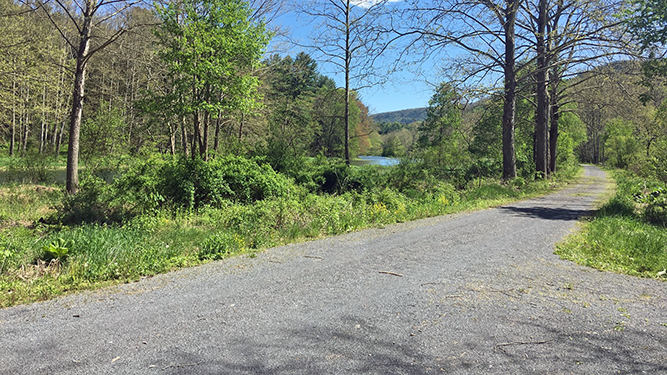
473, 293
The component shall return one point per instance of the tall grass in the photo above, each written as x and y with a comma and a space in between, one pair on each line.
620, 238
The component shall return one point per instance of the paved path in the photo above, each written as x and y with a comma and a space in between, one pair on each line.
480, 293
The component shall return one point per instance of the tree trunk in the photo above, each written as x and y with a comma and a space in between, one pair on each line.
59, 141
205, 131
43, 127
26, 125
77, 102
241, 125
216, 136
184, 137
553, 133
12, 141
542, 118
172, 139
509, 107
347, 83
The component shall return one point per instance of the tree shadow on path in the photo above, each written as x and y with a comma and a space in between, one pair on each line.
546, 213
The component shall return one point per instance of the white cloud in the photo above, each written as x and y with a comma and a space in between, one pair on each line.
370, 3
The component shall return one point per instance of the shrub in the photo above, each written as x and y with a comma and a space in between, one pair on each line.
195, 183
94, 203
653, 205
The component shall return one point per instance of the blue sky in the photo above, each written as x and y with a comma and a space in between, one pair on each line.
403, 91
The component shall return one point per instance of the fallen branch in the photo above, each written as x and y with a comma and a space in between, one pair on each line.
392, 273
313, 257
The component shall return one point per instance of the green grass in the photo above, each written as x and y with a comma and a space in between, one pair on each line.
618, 238
101, 255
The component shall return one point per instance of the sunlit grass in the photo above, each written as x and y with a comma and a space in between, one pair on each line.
618, 239
161, 241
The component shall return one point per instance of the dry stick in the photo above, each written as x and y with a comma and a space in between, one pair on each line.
522, 343
392, 273
313, 257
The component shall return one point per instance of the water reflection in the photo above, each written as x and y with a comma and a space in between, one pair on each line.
375, 160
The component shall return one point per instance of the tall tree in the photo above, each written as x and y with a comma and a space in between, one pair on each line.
484, 31
348, 36
570, 37
88, 19
210, 47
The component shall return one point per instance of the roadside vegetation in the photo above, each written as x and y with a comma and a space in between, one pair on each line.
167, 212
628, 234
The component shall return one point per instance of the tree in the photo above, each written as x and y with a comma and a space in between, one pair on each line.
87, 18
485, 32
292, 85
349, 38
211, 48
571, 35
647, 22
438, 134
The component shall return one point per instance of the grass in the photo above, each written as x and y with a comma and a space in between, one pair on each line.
160, 241
619, 238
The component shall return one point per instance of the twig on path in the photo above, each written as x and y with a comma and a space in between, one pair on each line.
502, 344
313, 257
181, 365
505, 292
392, 273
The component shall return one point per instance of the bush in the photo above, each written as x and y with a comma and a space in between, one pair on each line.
653, 205
194, 183
94, 203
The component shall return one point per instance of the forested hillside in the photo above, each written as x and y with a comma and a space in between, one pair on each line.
405, 116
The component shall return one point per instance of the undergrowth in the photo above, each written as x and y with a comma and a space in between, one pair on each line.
144, 223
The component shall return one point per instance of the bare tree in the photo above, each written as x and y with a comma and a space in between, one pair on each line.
91, 20
571, 36
348, 36
483, 32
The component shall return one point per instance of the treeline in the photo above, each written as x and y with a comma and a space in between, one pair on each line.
168, 84
191, 78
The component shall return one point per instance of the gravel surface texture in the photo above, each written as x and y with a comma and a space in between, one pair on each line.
473, 293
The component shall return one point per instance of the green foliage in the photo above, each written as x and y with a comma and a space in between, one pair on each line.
330, 114
94, 203
103, 133
621, 144
443, 118
194, 183
220, 245
572, 133
621, 237
393, 147
58, 249
32, 168
647, 21
210, 48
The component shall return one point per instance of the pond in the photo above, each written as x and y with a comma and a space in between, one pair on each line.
375, 160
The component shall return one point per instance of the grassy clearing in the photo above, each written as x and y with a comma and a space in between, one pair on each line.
622, 237
99, 255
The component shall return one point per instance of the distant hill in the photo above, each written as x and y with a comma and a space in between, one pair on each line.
406, 116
